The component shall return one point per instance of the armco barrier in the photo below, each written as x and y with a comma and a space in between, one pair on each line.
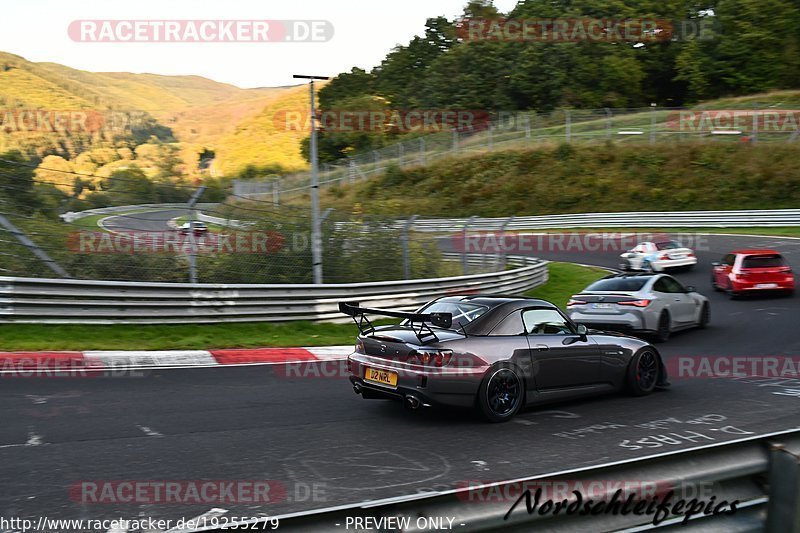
65, 301
72, 216
647, 219
760, 472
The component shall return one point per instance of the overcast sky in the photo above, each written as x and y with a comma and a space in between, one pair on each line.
365, 30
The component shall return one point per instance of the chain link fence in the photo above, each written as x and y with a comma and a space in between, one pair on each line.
736, 123
241, 240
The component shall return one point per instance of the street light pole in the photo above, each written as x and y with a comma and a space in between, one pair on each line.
316, 237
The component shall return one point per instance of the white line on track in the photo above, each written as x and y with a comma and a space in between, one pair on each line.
149, 432
33, 440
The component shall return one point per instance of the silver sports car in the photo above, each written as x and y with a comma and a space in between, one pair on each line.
655, 304
498, 354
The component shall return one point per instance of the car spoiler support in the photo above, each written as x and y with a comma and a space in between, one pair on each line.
418, 321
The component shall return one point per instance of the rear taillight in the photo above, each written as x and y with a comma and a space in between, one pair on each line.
435, 358
572, 301
664, 257
635, 303
785, 270
690, 254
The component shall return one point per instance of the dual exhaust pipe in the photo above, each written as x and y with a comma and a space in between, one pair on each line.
410, 401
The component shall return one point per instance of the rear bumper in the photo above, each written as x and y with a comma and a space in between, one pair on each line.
455, 387
786, 284
630, 321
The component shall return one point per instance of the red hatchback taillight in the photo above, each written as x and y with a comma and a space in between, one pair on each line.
434, 358
635, 303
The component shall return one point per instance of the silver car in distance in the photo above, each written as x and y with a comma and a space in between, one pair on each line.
654, 304
658, 257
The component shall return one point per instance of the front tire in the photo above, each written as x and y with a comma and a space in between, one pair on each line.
643, 372
501, 394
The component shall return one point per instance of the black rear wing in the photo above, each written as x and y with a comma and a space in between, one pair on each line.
418, 321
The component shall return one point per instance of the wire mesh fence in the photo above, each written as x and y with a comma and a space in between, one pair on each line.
736, 123
239, 240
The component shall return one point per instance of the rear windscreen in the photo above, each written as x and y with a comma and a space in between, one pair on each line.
618, 284
463, 313
668, 245
763, 261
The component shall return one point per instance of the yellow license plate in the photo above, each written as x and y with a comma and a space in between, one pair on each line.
385, 377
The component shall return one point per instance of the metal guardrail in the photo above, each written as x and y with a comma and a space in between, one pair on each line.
65, 301
72, 216
761, 472
646, 219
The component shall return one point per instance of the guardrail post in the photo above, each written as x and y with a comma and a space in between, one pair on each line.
489, 136
464, 265
503, 255
783, 509
455, 141
352, 171
276, 193
653, 123
422, 150
376, 158
192, 240
400, 154
33, 247
527, 126
404, 241
567, 125
608, 123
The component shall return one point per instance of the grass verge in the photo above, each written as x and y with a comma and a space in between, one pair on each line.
565, 280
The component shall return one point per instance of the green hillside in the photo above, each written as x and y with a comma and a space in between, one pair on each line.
198, 113
585, 178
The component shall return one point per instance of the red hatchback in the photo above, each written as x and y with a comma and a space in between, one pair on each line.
746, 271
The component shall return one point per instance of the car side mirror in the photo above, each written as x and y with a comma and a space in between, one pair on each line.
715, 263
690, 288
582, 330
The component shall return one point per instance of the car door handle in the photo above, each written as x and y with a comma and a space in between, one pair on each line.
542, 347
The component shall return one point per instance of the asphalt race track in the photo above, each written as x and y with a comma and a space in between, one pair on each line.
304, 428
156, 220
